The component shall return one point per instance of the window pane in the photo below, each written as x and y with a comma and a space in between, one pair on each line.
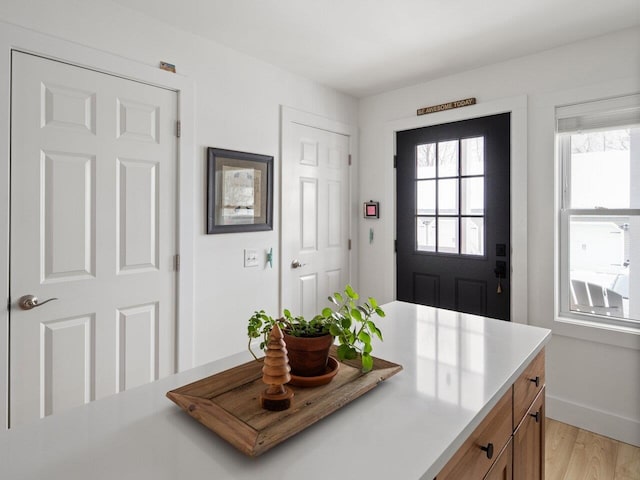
426, 234
472, 161
448, 235
602, 170
472, 196
426, 161
426, 197
472, 233
601, 252
448, 197
448, 158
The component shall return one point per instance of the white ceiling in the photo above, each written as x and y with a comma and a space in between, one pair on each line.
363, 47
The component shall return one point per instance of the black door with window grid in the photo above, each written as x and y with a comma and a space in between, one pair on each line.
453, 216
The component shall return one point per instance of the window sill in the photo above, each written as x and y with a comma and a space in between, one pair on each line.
594, 331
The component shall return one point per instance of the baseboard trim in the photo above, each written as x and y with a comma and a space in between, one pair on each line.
625, 430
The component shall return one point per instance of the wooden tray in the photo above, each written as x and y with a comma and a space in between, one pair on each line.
229, 402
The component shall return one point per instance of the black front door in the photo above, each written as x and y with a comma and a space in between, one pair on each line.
453, 216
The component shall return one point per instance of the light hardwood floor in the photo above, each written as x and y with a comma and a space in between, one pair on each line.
576, 454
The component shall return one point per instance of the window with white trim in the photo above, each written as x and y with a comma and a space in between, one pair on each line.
599, 151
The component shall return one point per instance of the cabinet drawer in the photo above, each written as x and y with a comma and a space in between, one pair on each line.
527, 387
471, 461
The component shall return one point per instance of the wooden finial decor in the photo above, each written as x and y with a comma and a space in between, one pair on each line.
275, 373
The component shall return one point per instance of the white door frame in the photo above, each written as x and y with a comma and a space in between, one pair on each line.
291, 115
517, 106
17, 38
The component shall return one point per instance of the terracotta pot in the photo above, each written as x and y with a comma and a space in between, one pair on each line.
308, 355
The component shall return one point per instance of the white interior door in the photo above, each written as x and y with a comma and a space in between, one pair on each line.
315, 217
93, 224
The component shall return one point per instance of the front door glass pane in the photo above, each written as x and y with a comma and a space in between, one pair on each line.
448, 158
472, 151
448, 197
426, 234
448, 235
426, 161
472, 236
472, 196
426, 197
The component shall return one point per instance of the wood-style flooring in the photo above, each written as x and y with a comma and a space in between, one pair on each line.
576, 454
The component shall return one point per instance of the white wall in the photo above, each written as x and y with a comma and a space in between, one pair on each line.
593, 375
590, 383
238, 102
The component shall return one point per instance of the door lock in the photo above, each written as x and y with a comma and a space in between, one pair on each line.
27, 302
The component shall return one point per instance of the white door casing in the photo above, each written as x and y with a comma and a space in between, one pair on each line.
93, 222
315, 213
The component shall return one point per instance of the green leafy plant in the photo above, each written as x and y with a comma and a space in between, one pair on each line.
353, 326
260, 325
351, 323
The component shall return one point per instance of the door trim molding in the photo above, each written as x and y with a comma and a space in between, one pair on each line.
13, 37
289, 115
517, 106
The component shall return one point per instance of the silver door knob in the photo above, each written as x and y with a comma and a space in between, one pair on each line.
297, 264
27, 302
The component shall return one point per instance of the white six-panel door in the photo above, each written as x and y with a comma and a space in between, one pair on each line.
315, 217
93, 224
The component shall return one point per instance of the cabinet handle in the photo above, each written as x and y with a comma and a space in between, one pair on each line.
488, 449
535, 380
536, 416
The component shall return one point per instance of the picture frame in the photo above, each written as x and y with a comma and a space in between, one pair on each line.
239, 191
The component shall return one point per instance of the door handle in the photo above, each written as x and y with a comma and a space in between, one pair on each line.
27, 302
297, 264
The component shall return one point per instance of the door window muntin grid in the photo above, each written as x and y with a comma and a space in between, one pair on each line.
443, 206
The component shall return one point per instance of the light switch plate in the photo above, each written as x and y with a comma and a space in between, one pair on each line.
250, 258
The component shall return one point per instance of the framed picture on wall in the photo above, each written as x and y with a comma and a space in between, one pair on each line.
239, 191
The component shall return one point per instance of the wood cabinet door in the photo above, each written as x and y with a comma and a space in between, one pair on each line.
503, 468
478, 453
528, 443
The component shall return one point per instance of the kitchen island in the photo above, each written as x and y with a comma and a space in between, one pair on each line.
457, 368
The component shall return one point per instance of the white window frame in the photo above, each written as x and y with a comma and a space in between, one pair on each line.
599, 115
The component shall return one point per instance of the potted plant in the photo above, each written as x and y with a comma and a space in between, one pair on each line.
351, 323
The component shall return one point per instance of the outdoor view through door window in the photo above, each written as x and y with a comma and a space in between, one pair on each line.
602, 209
450, 197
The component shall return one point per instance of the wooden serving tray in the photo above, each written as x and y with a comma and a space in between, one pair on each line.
229, 402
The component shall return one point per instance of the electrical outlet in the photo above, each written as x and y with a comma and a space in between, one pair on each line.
250, 258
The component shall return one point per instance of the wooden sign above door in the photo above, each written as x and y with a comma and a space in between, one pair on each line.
447, 106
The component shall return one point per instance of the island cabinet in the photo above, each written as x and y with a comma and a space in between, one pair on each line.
509, 442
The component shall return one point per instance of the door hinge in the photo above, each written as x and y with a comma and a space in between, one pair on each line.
395, 246
176, 262
395, 161
349, 244
349, 159
178, 128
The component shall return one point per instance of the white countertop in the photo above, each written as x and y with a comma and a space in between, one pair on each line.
456, 367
